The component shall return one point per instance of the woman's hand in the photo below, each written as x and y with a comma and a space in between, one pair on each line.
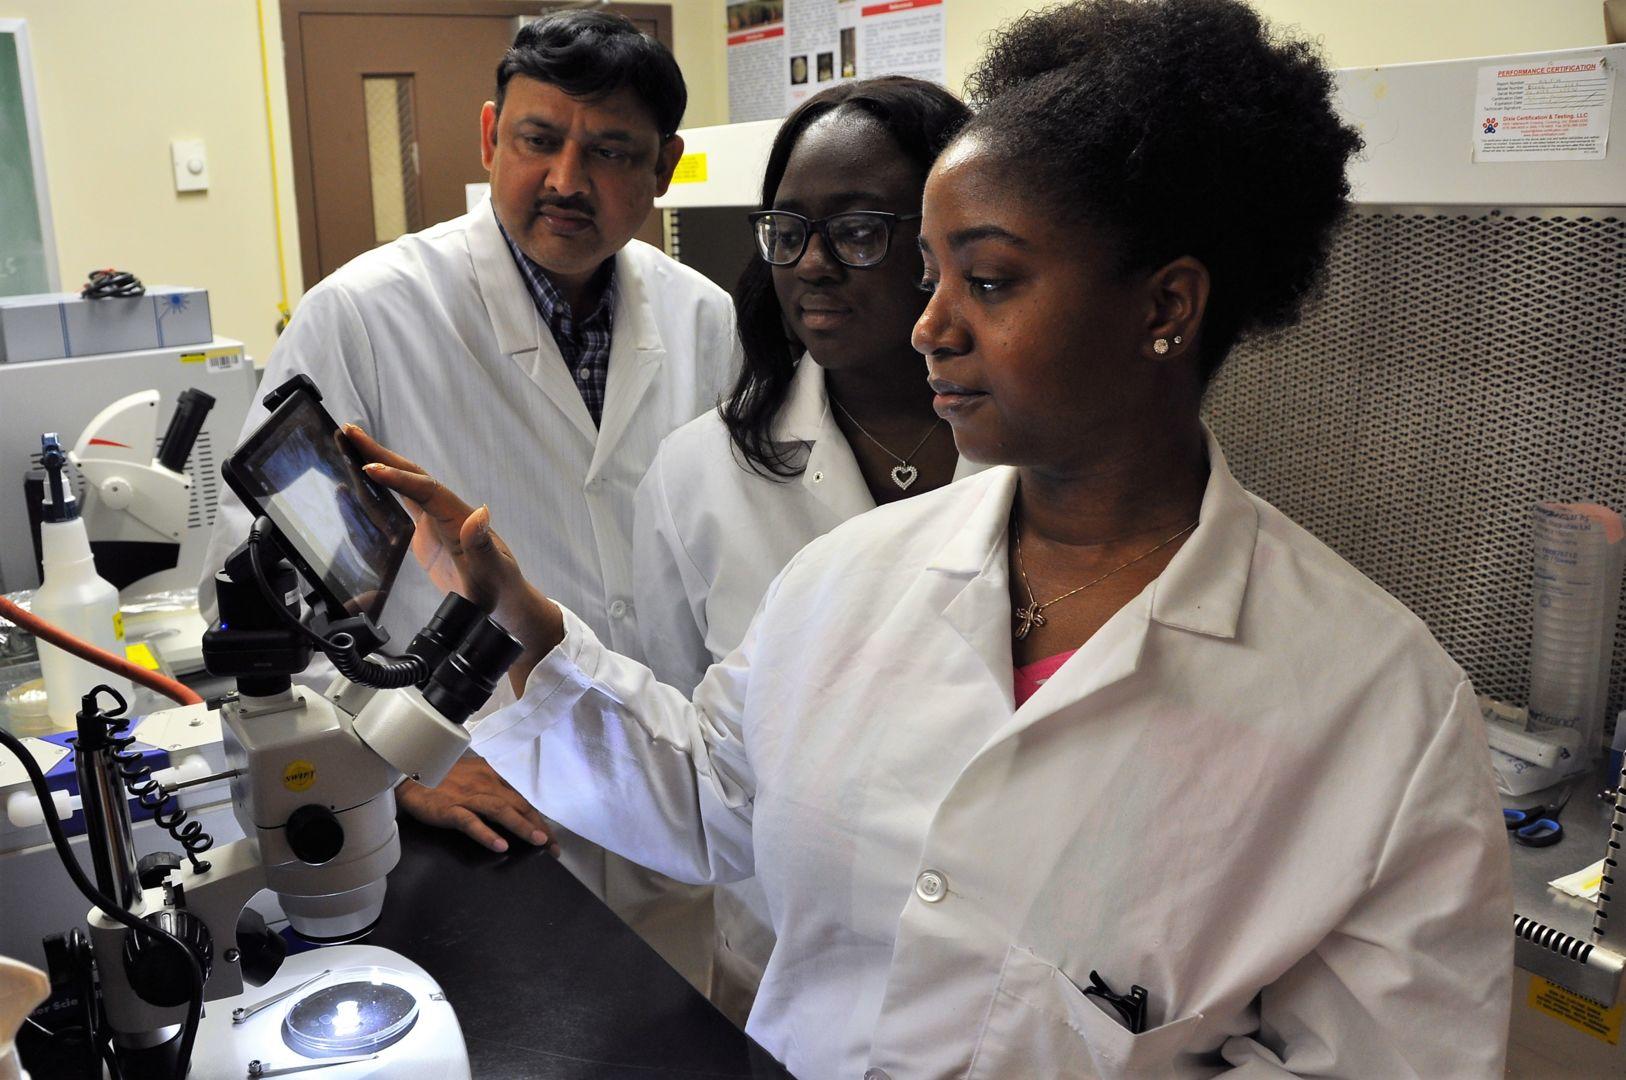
455, 543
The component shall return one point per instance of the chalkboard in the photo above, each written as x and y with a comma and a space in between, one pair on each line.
27, 248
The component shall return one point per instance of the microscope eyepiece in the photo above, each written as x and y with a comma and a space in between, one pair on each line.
445, 630
464, 680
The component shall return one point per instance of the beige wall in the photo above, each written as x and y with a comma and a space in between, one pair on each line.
118, 81
697, 39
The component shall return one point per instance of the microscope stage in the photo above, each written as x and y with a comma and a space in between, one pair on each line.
357, 1002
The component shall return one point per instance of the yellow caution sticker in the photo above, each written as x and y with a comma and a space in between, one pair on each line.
691, 169
1581, 1013
118, 625
298, 775
141, 655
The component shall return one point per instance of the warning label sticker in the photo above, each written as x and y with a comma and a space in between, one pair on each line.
1582, 1014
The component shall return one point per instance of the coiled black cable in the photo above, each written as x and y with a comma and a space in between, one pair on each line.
341, 647
137, 775
111, 282
393, 675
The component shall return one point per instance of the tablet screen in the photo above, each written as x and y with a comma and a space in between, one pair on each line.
306, 478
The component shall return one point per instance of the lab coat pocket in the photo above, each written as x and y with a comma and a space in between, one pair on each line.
1041, 1024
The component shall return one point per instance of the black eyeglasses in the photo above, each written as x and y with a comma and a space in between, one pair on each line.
856, 238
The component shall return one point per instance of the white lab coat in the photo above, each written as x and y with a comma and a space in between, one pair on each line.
711, 534
435, 346
1260, 791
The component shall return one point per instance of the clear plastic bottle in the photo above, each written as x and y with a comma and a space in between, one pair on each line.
73, 598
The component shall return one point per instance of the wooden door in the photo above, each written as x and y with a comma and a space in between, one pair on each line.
384, 106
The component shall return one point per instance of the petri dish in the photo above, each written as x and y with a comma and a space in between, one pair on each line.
356, 1017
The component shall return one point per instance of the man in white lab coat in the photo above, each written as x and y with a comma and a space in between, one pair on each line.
534, 350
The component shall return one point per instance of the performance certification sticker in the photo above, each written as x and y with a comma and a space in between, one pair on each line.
1582, 1014
1546, 111
298, 775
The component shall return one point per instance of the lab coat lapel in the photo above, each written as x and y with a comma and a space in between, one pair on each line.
831, 474
1203, 588
1111, 655
636, 352
1200, 591
518, 326
969, 578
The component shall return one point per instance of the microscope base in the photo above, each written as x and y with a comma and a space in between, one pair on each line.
432, 1046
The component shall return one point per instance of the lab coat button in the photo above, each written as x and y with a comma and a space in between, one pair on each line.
818, 478
877, 1074
930, 886
618, 608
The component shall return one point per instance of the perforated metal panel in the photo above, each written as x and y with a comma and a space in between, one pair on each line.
1461, 366
205, 493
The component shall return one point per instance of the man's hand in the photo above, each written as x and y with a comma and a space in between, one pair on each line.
471, 795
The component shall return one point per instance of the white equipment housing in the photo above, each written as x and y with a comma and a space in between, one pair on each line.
128, 494
66, 395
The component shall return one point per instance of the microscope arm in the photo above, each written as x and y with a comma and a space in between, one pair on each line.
139, 495
215, 898
133, 502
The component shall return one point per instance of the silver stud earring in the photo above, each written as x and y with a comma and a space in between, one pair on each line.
1178, 339
1160, 346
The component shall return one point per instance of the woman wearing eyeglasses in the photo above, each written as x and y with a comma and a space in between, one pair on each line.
1248, 823
830, 415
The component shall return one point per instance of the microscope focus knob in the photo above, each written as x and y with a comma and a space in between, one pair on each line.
156, 971
154, 867
314, 834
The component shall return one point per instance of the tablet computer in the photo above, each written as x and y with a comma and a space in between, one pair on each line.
344, 532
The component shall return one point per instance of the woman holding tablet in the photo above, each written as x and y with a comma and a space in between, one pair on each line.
1248, 822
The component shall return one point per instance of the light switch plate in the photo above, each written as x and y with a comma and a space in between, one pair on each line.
191, 164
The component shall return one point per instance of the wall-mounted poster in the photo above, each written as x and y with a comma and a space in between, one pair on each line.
758, 63
781, 52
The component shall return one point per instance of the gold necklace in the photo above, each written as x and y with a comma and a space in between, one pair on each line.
1032, 616
903, 473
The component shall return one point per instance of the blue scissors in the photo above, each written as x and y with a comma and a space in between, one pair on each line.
1537, 826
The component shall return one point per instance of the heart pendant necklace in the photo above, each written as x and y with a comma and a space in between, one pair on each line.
903, 473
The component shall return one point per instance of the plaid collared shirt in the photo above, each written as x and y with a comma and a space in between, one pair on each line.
584, 343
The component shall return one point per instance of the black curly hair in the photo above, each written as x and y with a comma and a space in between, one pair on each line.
1177, 127
922, 117
592, 54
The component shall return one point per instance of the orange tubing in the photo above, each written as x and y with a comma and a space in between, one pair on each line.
65, 641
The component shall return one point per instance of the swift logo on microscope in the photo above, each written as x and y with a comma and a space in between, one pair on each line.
298, 775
